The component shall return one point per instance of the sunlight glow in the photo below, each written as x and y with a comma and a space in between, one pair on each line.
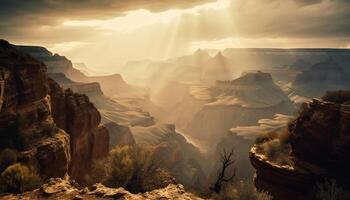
140, 18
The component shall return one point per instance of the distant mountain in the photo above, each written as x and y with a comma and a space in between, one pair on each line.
216, 68
300, 65
321, 77
87, 71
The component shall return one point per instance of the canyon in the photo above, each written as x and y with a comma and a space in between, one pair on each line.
189, 112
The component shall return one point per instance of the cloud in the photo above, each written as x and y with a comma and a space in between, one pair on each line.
15, 14
136, 29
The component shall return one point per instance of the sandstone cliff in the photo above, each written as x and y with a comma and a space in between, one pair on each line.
60, 130
316, 149
27, 107
75, 114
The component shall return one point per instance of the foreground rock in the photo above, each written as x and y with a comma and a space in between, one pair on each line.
64, 189
317, 149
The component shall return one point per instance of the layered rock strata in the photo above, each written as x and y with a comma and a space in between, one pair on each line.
59, 131
317, 149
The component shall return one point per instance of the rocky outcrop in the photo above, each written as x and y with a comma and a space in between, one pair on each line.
57, 131
26, 121
75, 114
67, 190
319, 147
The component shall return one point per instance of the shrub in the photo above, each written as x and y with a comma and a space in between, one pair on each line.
7, 158
277, 152
242, 191
18, 178
129, 167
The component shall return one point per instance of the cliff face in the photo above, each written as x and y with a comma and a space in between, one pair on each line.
27, 108
60, 130
75, 114
317, 149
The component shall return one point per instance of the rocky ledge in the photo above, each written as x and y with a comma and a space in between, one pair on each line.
64, 189
316, 149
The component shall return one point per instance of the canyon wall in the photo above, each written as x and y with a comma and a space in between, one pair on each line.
61, 129
317, 150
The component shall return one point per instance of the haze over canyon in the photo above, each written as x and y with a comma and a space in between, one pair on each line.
199, 99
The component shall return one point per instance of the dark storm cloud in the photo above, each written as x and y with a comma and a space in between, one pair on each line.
16, 16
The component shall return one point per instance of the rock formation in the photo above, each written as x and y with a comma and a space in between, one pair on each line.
61, 128
75, 114
67, 190
27, 107
317, 149
240, 102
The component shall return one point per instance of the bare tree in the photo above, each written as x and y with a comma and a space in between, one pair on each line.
226, 162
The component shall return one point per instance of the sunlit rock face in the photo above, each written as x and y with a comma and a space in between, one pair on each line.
317, 149
182, 159
27, 106
240, 102
67, 190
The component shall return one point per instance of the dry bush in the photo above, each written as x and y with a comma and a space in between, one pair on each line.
132, 167
18, 178
277, 152
242, 191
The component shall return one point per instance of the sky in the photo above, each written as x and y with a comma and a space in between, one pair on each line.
105, 34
